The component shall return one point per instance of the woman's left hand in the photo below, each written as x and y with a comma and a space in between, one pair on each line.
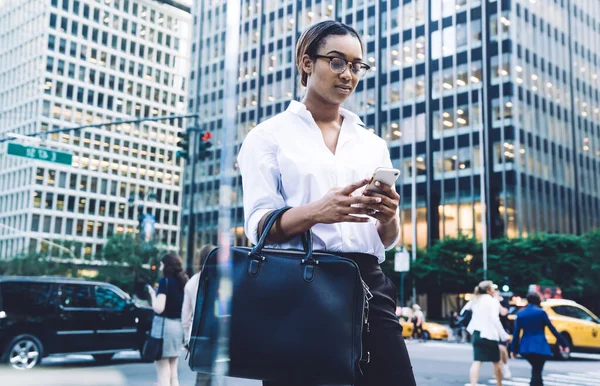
385, 211
151, 290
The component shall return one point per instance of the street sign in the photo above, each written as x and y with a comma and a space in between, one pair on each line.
40, 153
401, 260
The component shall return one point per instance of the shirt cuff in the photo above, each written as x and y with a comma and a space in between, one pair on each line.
253, 221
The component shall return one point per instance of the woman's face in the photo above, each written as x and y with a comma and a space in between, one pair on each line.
331, 87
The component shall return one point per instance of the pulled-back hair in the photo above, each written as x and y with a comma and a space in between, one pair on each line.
483, 287
314, 37
173, 267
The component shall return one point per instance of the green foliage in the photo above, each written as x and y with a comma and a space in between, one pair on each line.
127, 263
133, 259
567, 261
451, 265
33, 264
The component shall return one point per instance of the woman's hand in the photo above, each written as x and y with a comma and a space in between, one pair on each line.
151, 291
338, 205
386, 209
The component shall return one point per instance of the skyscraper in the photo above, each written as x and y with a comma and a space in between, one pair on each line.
461, 89
67, 63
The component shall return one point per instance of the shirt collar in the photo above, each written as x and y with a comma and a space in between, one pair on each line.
299, 109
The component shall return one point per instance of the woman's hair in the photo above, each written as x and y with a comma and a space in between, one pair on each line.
483, 288
173, 267
534, 298
203, 254
314, 37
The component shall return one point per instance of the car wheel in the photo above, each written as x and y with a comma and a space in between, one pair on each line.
426, 335
561, 355
24, 352
103, 358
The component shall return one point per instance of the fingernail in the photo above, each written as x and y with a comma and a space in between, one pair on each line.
377, 199
377, 183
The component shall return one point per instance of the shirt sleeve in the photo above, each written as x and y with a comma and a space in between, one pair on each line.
563, 341
187, 311
495, 318
467, 307
386, 161
516, 336
162, 286
261, 179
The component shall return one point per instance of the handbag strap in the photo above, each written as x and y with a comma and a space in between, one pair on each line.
268, 225
164, 318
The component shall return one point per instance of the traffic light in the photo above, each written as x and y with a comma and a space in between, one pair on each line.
205, 145
184, 145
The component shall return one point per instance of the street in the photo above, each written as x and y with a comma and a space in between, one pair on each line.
435, 364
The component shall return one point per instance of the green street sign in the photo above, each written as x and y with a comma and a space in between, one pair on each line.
39, 153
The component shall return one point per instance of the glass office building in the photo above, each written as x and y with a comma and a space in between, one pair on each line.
67, 63
490, 108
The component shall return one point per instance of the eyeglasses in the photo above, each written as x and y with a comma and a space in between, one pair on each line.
339, 65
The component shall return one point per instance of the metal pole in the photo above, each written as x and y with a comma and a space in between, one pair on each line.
97, 125
482, 189
401, 289
232, 46
191, 237
413, 210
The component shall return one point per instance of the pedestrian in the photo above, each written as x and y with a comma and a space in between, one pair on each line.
486, 331
315, 156
189, 305
167, 302
455, 327
417, 319
503, 345
533, 345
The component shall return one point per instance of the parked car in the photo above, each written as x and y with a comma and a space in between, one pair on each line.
431, 330
576, 323
41, 316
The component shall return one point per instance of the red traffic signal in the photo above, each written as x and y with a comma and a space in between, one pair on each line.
206, 136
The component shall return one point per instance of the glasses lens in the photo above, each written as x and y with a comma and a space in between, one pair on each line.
338, 65
358, 70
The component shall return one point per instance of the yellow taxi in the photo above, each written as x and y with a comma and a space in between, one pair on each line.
430, 330
576, 323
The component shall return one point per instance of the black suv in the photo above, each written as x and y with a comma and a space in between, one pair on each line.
40, 316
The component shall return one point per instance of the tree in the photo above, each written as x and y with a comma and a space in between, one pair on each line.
33, 264
133, 263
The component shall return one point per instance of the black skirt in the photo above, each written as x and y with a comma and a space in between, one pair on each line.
485, 350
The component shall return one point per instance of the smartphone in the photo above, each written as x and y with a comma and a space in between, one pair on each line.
386, 176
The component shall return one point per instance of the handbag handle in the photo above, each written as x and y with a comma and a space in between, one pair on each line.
307, 241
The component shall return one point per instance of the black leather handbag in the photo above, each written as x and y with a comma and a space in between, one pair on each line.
296, 316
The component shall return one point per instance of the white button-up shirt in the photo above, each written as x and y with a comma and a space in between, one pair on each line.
486, 318
284, 162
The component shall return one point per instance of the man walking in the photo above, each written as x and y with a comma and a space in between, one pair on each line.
189, 305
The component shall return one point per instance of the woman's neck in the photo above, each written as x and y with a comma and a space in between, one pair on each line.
320, 110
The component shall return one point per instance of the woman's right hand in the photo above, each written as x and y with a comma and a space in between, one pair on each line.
336, 205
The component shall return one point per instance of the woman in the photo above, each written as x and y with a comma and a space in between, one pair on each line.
533, 345
167, 303
189, 305
418, 318
486, 330
314, 157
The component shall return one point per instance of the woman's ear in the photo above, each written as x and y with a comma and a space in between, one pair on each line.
307, 64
